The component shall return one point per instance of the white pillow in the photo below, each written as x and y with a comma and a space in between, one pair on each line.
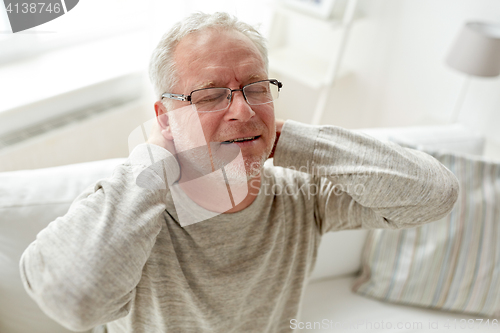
29, 201
452, 138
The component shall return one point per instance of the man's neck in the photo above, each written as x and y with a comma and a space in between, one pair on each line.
212, 193
253, 191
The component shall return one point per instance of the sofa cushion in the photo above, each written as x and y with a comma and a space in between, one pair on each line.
29, 201
329, 306
451, 264
452, 138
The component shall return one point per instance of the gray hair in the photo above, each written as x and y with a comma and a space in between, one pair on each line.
162, 71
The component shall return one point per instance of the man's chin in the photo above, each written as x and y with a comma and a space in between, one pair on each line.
254, 168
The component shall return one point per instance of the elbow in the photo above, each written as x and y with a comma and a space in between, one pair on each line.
76, 321
435, 207
73, 316
454, 192
441, 204
81, 312
85, 315
79, 315
447, 196
64, 309
75, 306
52, 297
76, 324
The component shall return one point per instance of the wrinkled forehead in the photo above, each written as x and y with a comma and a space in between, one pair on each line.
210, 40
218, 55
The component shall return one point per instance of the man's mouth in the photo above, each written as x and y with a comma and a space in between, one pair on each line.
249, 138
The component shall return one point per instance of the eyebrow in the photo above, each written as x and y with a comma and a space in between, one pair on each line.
257, 76
208, 84
211, 84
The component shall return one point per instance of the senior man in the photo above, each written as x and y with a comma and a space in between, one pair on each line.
122, 256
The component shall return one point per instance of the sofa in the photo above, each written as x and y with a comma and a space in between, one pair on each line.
31, 199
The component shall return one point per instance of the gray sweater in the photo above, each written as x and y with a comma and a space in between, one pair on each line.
119, 256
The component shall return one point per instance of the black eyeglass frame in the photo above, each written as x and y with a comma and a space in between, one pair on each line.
187, 98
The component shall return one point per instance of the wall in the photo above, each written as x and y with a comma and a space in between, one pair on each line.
104, 135
396, 77
397, 74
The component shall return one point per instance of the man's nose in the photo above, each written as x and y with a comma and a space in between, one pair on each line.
239, 109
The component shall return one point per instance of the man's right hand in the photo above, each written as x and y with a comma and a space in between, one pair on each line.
159, 135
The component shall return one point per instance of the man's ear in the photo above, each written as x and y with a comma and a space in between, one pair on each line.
162, 119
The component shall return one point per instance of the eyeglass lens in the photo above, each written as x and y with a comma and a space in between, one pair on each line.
216, 99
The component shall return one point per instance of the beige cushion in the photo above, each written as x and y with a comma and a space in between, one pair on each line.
452, 264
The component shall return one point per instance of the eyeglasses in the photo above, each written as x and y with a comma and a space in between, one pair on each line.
218, 99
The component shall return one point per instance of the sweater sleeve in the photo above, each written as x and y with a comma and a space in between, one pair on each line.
83, 268
365, 183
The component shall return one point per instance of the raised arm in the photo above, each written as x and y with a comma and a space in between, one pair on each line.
83, 268
366, 183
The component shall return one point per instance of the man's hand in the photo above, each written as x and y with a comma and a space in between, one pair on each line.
160, 136
279, 126
160, 133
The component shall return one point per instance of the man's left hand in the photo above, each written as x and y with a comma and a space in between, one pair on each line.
279, 126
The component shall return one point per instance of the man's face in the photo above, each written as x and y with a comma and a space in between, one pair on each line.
226, 59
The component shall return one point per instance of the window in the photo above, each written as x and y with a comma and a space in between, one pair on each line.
91, 57
95, 54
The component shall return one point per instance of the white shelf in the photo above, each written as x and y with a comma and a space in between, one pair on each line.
299, 65
45, 87
297, 15
302, 66
309, 49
